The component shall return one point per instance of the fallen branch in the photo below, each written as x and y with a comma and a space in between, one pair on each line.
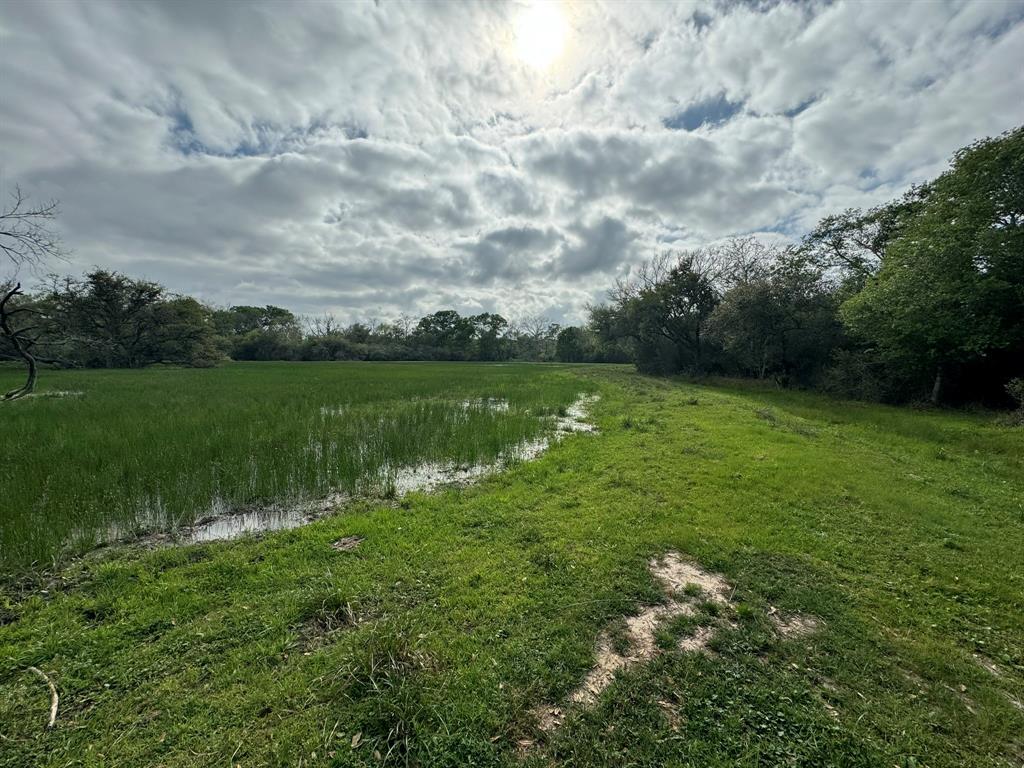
54, 698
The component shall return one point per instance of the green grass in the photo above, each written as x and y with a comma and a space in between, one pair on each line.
461, 611
153, 449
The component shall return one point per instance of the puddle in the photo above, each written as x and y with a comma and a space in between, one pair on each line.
234, 524
496, 404
224, 522
686, 587
576, 415
430, 476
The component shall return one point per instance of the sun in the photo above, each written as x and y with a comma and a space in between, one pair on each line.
540, 30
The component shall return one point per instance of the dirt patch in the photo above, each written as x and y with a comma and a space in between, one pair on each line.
549, 718
347, 543
698, 641
793, 626
678, 575
690, 591
683, 583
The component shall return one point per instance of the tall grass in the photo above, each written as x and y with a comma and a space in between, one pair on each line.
153, 449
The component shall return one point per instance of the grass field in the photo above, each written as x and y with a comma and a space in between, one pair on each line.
459, 613
155, 449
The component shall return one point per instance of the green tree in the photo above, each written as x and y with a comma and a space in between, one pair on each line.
668, 319
448, 332
782, 323
852, 244
572, 345
110, 320
950, 291
489, 330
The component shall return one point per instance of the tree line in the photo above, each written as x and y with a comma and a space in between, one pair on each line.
109, 320
918, 299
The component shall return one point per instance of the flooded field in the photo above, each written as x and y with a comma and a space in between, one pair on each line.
202, 455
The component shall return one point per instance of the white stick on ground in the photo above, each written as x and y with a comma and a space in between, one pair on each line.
54, 698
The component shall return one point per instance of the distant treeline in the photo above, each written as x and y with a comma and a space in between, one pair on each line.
109, 320
921, 298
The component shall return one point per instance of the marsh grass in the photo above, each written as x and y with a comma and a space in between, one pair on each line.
140, 451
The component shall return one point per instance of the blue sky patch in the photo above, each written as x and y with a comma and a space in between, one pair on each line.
708, 112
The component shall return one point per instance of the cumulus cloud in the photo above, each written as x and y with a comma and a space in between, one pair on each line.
378, 158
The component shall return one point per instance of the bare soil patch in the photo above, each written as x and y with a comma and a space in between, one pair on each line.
687, 586
347, 543
793, 626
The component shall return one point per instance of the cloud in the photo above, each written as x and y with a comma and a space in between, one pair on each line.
598, 247
509, 253
379, 158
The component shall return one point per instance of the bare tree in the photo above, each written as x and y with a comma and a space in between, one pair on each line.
322, 325
536, 334
26, 231
20, 338
724, 265
406, 323
27, 239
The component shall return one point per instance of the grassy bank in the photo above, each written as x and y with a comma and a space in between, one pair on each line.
154, 449
434, 640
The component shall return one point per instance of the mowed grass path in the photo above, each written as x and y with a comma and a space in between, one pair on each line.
153, 449
432, 642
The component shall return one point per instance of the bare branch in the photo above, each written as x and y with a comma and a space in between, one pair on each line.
27, 237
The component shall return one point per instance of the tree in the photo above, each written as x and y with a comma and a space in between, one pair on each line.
536, 336
185, 332
573, 345
665, 310
107, 318
852, 244
27, 238
259, 333
949, 296
110, 320
782, 322
660, 314
243, 319
17, 339
489, 330
446, 331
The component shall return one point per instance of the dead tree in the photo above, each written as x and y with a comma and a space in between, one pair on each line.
20, 340
27, 239
26, 231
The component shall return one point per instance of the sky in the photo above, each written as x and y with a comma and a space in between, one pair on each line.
372, 159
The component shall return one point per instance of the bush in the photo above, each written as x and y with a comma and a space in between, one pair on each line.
1015, 388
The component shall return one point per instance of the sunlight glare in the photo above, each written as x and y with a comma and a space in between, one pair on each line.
540, 33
